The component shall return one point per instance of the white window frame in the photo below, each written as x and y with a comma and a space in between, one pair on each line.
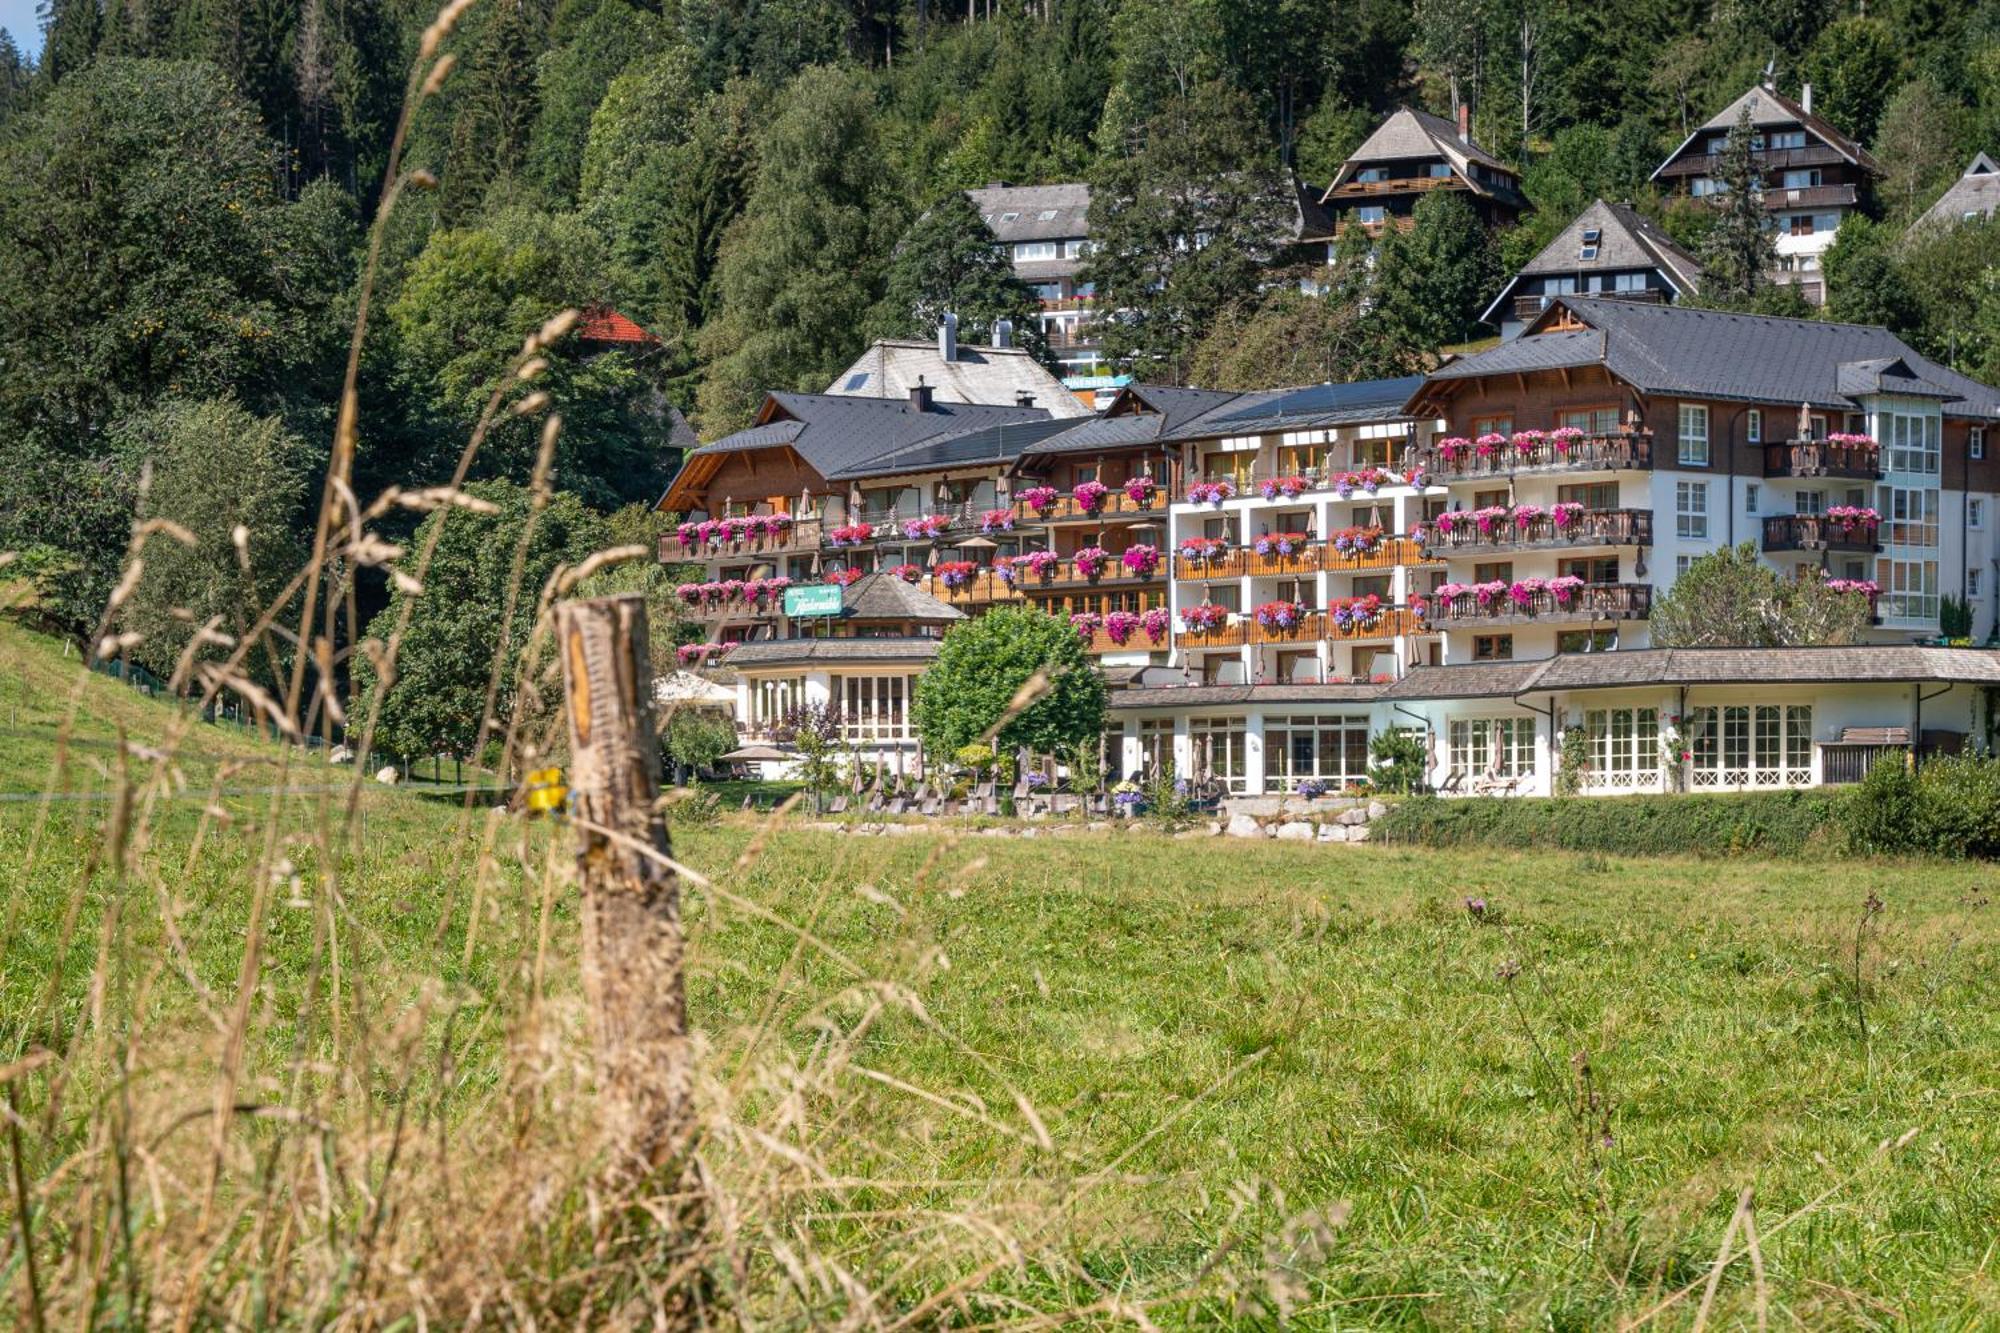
1975, 514
1975, 443
1753, 426
1749, 746
1472, 743
1751, 494
1624, 749
1693, 431
1691, 511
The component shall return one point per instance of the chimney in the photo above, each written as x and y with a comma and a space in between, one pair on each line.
1805, 98
920, 395
1465, 121
948, 337
1003, 333
1022, 398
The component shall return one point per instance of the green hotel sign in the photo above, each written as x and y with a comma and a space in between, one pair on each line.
813, 599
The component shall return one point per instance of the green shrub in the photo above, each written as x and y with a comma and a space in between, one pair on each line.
1768, 823
1880, 814
1950, 807
1398, 760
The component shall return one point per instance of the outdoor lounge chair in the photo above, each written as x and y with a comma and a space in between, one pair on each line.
874, 803
1064, 804
897, 804
837, 806
928, 806
1451, 784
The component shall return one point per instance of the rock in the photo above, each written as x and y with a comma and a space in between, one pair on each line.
1295, 831
1214, 828
1243, 826
1099, 826
340, 754
387, 775
1376, 810
1353, 817
1253, 805
1359, 833
1031, 833
1332, 833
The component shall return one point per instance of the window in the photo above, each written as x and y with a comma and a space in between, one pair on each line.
1788, 139
1975, 442
1805, 179
1753, 426
874, 708
1591, 495
1809, 502
1975, 514
1369, 214
1704, 186
1437, 170
1492, 647
1332, 749
1912, 516
1029, 250
1691, 510
1493, 425
1589, 568
1216, 750
1694, 435
1376, 453
770, 700
1799, 224
1909, 590
1682, 564
1009, 217
1629, 282
1750, 498
1972, 583
1156, 745
1911, 440
1591, 237
1369, 175
1502, 747
1586, 640
1590, 420
1046, 215
1624, 747
1493, 571
1750, 745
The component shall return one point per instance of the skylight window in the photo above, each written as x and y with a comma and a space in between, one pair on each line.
1009, 217
855, 381
1047, 215
1591, 236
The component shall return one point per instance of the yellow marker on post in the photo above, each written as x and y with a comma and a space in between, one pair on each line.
545, 790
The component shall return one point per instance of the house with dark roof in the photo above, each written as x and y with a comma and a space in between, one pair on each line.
1410, 155
1811, 176
998, 374
1973, 196
1609, 250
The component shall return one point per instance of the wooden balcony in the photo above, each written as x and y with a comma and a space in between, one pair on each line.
1318, 625
1593, 527
1591, 602
1065, 578
984, 589
1822, 458
1616, 451
803, 538
1230, 564
1233, 635
1396, 185
1529, 308
1118, 509
1816, 532
1139, 642
1312, 558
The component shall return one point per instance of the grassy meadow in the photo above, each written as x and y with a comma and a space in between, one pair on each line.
958, 1080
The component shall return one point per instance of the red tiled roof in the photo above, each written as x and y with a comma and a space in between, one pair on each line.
604, 325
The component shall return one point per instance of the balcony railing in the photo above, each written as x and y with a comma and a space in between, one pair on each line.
1066, 577
982, 589
1318, 478
1232, 635
1823, 458
1312, 557
1817, 532
1398, 185
1137, 642
1593, 527
1528, 307
1593, 601
803, 537
1117, 505
1316, 625
1614, 451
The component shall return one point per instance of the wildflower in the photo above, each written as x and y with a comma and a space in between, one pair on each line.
1476, 906
1508, 970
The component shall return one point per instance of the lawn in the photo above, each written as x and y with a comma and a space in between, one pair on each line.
1215, 1079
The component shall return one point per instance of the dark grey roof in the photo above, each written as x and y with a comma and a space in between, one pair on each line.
1001, 443
792, 652
1974, 194
680, 435
1626, 240
1315, 220
1177, 406
1887, 374
1211, 696
1068, 202
1682, 351
835, 433
1633, 667
886, 597
1770, 108
1410, 133
1305, 408
1121, 432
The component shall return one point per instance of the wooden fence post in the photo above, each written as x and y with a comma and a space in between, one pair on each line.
632, 944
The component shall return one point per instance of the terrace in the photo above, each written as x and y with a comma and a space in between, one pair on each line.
1530, 453
1821, 532
1311, 557
1361, 481
1855, 458
1534, 528
801, 536
1534, 600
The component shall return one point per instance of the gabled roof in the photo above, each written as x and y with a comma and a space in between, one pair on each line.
1975, 193
1683, 351
886, 597
1411, 134
1769, 109
1626, 240
1309, 407
983, 446
975, 374
602, 324
1100, 434
1177, 406
1040, 212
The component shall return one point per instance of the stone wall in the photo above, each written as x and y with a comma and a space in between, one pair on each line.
1296, 819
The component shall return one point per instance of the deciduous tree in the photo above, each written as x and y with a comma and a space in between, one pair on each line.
982, 663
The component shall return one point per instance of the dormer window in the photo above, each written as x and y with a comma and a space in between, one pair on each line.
1591, 237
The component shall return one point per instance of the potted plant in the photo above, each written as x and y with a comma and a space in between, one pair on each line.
1091, 496
996, 520
850, 534
1041, 499
1211, 492
927, 528
1204, 617
1156, 622
1281, 615
955, 574
908, 573
1140, 491
1142, 559
1091, 560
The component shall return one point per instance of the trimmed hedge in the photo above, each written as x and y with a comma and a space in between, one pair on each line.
1767, 823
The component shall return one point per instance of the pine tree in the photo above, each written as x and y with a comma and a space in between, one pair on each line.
949, 261
1433, 280
1739, 251
15, 74
73, 29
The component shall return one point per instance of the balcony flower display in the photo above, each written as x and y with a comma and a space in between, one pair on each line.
1849, 440
1525, 515
1142, 559
955, 574
1291, 488
1156, 622
1041, 499
1355, 613
1086, 624
1415, 476
1008, 567
760, 591
1280, 543
1091, 560
1522, 593
1140, 490
1564, 438
850, 534
1120, 626
1454, 447
1420, 607
1565, 588
1310, 788
1091, 496
907, 573
1358, 541
996, 520
1211, 492
928, 528
1489, 519
1865, 587
687, 536
1527, 441
1850, 517
1202, 550
843, 577
1449, 522
1566, 514
700, 654
1488, 444
1489, 594
1040, 563
1207, 616
1281, 615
